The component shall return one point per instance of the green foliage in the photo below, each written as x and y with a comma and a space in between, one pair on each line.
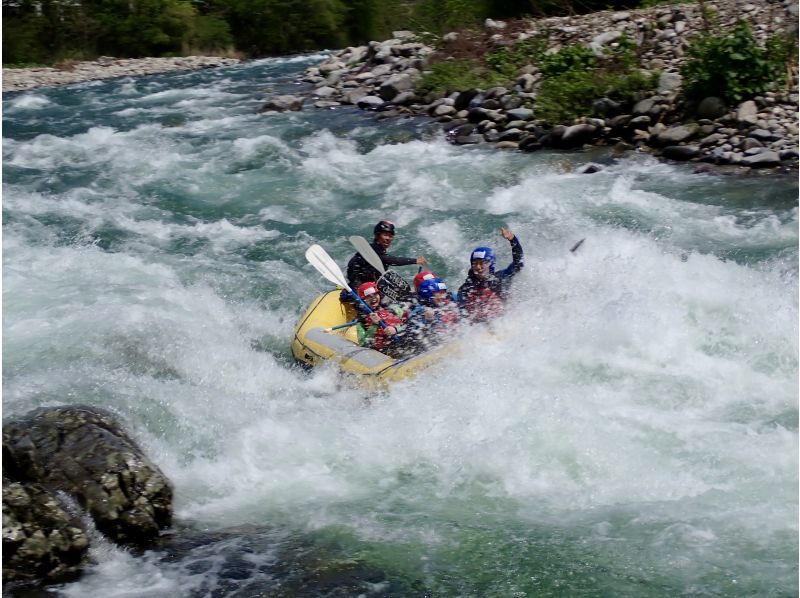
509, 60
569, 59
574, 78
458, 75
734, 67
208, 35
441, 16
571, 95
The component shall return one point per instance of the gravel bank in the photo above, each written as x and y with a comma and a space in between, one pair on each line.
105, 68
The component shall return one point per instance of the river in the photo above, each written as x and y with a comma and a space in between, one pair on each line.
628, 428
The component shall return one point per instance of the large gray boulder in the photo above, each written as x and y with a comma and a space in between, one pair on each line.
81, 453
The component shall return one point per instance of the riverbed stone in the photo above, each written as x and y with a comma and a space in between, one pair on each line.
766, 159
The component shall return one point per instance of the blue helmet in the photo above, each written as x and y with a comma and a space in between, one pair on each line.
428, 287
483, 253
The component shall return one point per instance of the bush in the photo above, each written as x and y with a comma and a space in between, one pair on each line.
509, 60
734, 67
458, 75
574, 78
570, 95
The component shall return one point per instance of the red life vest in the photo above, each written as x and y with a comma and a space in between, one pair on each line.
381, 339
483, 304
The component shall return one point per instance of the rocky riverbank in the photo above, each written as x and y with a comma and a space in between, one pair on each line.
104, 68
758, 133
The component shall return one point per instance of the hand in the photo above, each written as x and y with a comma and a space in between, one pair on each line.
507, 234
421, 261
374, 318
390, 331
429, 314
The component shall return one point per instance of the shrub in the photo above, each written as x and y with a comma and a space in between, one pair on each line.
734, 67
509, 60
572, 94
574, 78
458, 75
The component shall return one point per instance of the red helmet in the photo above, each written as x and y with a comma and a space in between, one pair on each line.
367, 289
422, 276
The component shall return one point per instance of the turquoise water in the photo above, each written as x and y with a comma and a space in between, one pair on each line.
628, 428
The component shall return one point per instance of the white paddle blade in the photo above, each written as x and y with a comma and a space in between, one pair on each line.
367, 252
325, 265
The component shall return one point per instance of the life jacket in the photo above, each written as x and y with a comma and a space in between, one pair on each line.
483, 303
374, 334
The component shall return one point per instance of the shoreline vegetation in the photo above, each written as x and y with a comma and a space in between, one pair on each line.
713, 82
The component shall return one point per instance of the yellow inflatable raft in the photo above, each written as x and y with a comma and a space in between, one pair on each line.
313, 344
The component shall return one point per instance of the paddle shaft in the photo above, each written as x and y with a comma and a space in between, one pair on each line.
325, 265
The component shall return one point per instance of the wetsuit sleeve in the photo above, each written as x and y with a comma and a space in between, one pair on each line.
517, 261
394, 260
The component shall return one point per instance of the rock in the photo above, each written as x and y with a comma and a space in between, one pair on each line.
762, 135
369, 102
711, 107
644, 107
520, 114
750, 143
607, 107
681, 152
529, 144
511, 135
669, 82
465, 98
324, 91
84, 452
394, 85
676, 135
762, 160
41, 539
577, 135
468, 139
283, 103
352, 96
747, 112
589, 168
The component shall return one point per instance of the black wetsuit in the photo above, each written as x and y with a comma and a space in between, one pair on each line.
359, 271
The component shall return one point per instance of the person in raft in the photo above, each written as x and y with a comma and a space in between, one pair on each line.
360, 271
433, 318
370, 332
484, 292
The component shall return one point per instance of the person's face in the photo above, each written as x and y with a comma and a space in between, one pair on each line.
439, 298
373, 301
384, 239
481, 268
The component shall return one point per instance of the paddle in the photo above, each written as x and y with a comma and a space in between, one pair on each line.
390, 283
368, 253
325, 265
345, 325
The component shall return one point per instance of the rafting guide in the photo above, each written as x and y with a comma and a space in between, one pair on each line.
359, 270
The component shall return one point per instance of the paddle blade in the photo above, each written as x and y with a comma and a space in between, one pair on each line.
325, 265
367, 252
394, 286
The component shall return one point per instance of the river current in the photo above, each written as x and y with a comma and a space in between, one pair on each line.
628, 428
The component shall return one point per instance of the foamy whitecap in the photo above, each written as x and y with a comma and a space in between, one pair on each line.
28, 101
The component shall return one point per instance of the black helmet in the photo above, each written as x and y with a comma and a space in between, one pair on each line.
384, 226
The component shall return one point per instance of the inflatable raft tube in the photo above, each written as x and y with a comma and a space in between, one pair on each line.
312, 345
